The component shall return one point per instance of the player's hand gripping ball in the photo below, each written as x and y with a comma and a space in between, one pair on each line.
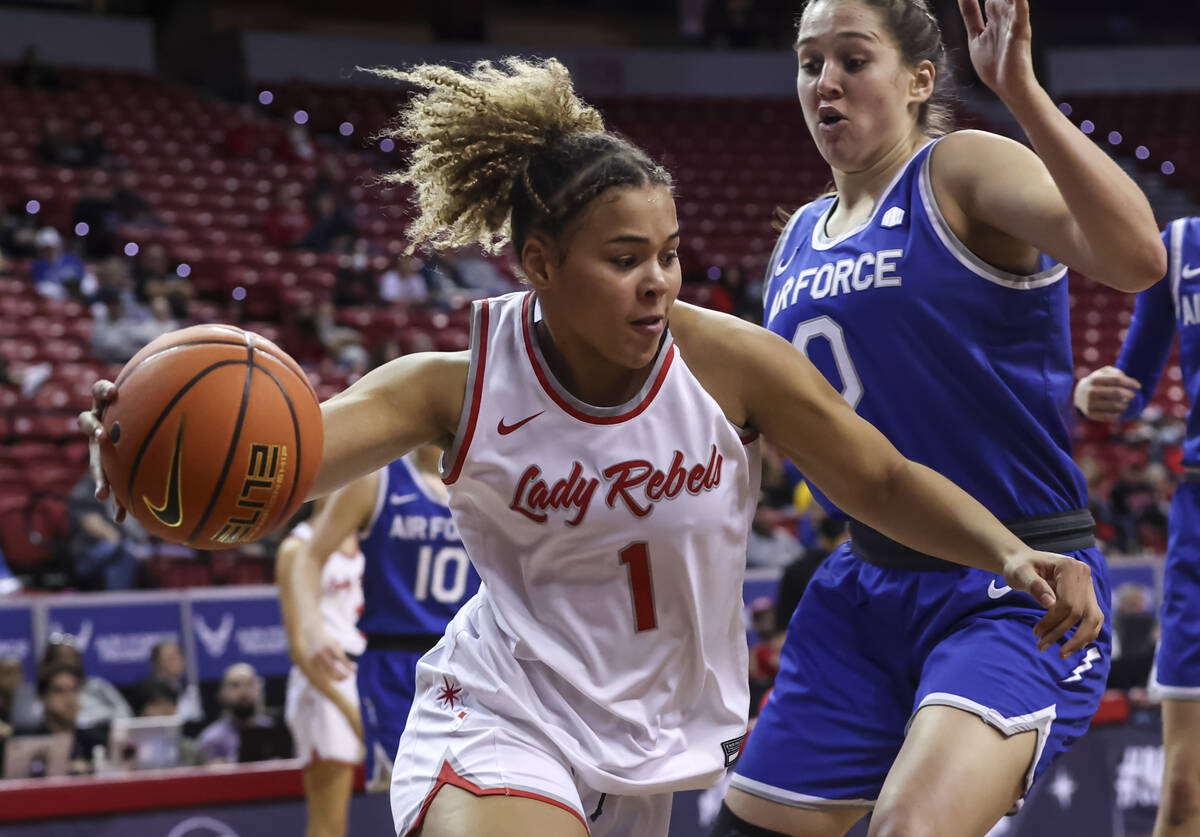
214, 438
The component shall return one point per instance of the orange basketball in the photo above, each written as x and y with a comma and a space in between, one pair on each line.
214, 439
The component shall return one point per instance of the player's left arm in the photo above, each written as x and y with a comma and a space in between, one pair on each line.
761, 381
1070, 199
1072, 202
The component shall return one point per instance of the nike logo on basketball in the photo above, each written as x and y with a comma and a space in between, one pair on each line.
995, 592
1190, 272
504, 429
401, 499
170, 511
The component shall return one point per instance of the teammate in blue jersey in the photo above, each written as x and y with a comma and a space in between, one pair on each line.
929, 289
1112, 394
416, 577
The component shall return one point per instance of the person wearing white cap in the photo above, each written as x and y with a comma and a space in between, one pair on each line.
55, 272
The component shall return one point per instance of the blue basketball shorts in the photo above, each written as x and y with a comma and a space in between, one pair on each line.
868, 647
1178, 664
386, 686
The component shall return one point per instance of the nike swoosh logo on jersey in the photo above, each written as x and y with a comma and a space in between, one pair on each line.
401, 499
170, 511
504, 429
784, 266
995, 592
1190, 272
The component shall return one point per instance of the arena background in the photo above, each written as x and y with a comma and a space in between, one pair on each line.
217, 162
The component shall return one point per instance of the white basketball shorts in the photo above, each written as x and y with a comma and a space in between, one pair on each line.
319, 729
450, 740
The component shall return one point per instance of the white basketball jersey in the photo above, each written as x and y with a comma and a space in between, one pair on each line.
341, 594
612, 543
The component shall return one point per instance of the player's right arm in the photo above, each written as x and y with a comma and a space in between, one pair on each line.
410, 401
1122, 392
298, 570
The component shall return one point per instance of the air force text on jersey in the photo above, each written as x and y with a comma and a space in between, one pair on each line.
419, 527
866, 271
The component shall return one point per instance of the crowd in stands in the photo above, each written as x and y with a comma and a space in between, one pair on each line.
237, 727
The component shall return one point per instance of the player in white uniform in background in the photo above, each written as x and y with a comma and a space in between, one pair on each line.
603, 474
327, 730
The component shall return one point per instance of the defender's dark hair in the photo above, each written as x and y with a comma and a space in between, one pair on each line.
917, 35
500, 151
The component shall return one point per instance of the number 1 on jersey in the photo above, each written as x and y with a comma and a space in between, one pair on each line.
636, 557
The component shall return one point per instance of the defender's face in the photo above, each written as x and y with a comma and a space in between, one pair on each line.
855, 91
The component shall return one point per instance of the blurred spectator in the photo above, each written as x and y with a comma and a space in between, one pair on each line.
1139, 498
736, 24
295, 145
121, 331
284, 222
12, 677
130, 206
330, 180
769, 545
29, 378
831, 533
472, 272
9, 583
92, 144
1135, 637
244, 732
403, 282
158, 699
167, 666
341, 343
100, 701
331, 230
56, 273
58, 147
18, 230
356, 284
31, 74
764, 654
95, 208
154, 277
60, 690
105, 552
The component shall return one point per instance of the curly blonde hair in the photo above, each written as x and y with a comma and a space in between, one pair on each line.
501, 150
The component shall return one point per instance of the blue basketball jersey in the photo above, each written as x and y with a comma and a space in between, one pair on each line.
1170, 305
964, 367
417, 572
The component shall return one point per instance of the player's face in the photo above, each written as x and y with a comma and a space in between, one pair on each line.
857, 95
611, 291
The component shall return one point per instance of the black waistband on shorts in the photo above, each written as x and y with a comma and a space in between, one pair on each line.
1191, 474
402, 642
1060, 532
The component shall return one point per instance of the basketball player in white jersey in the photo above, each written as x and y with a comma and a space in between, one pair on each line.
603, 473
327, 730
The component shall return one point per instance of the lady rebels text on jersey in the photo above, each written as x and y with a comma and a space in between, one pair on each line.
611, 543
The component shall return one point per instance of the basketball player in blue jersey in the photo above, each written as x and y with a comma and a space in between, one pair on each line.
1121, 393
416, 577
929, 289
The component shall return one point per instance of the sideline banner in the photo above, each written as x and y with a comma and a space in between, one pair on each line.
116, 638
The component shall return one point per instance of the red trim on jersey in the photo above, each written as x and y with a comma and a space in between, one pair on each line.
749, 438
447, 776
544, 379
476, 392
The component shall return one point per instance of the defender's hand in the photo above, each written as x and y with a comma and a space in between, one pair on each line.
1064, 587
1104, 394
